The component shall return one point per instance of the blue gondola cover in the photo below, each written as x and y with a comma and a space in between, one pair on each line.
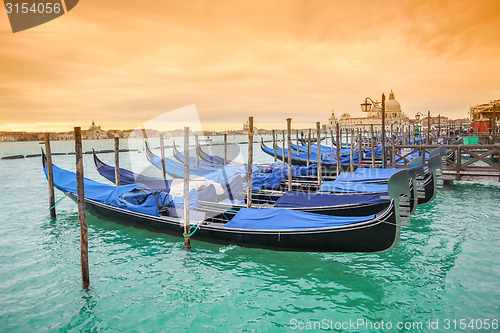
293, 199
286, 219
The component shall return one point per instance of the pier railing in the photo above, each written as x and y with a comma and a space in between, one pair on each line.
462, 162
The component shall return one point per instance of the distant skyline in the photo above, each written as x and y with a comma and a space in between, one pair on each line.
122, 64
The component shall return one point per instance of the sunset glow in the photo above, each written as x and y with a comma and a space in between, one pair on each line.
122, 63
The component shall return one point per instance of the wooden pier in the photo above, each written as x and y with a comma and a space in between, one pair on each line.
462, 162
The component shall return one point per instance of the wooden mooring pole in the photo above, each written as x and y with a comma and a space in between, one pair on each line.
428, 128
373, 145
50, 177
289, 133
494, 136
360, 147
117, 161
187, 240
384, 153
318, 154
225, 148
331, 137
197, 149
283, 156
297, 141
82, 215
308, 147
275, 146
250, 160
351, 159
339, 145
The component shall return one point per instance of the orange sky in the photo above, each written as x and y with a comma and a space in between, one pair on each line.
123, 62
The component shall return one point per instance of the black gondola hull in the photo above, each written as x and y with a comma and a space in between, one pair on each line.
376, 235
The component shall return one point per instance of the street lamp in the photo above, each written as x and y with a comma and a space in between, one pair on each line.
365, 107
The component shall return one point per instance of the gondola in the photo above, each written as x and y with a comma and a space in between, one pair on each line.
327, 161
277, 229
176, 170
192, 160
211, 158
319, 203
304, 141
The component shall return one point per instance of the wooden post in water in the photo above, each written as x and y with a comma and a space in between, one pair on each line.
384, 153
225, 148
297, 141
494, 123
185, 192
373, 145
162, 148
289, 133
331, 137
347, 138
82, 215
439, 128
360, 147
144, 137
117, 161
428, 127
393, 151
318, 153
351, 159
250, 160
308, 146
197, 149
283, 156
275, 146
339, 145
50, 177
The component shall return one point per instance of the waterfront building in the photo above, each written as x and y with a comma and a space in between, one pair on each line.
95, 132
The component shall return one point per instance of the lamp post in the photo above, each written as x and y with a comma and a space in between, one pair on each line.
367, 106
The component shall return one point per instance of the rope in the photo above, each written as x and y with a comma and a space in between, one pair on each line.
228, 210
57, 202
191, 234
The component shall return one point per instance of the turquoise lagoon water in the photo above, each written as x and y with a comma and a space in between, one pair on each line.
445, 267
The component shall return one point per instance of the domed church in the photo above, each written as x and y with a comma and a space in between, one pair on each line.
393, 115
393, 112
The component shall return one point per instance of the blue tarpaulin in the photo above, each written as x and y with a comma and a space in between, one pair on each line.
325, 158
293, 199
65, 181
356, 187
287, 219
176, 170
128, 197
366, 175
129, 177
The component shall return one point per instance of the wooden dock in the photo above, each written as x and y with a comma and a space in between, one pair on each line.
462, 162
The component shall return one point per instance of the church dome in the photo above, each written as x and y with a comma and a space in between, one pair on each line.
392, 104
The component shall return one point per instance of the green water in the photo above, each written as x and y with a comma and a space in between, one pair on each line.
445, 267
